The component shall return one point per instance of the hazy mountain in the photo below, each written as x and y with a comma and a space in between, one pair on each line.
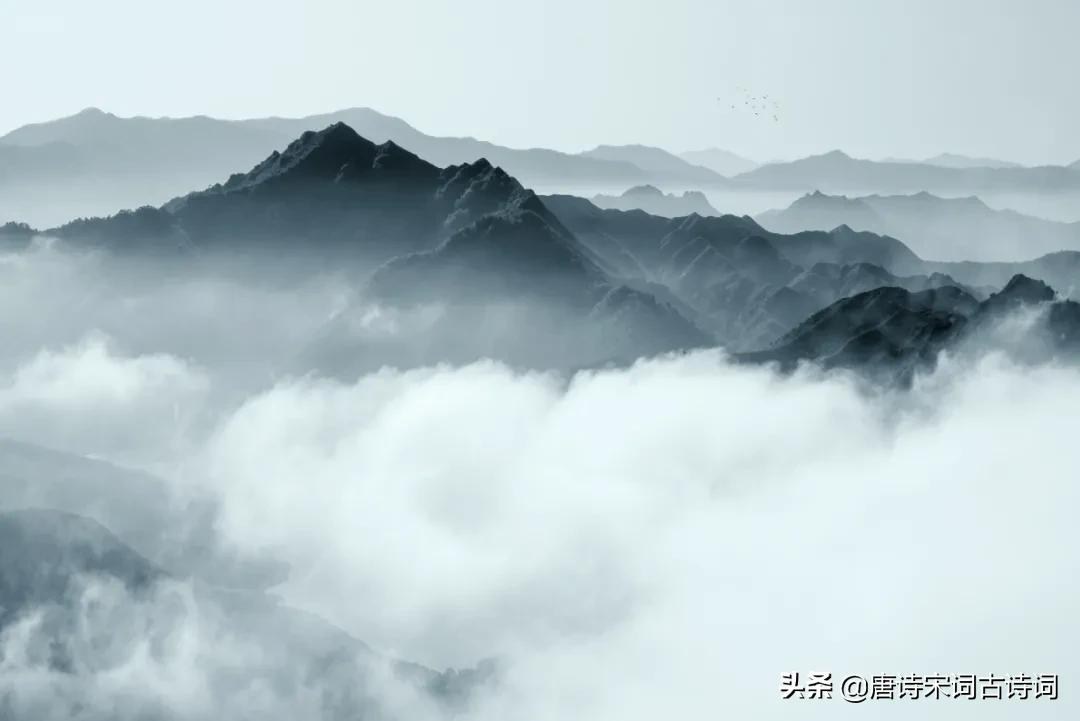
743, 283
836, 171
504, 276
894, 331
939, 228
94, 604
176, 532
660, 164
95, 163
954, 160
656, 202
722, 161
1060, 270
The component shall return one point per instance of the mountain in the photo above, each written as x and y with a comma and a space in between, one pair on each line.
954, 160
660, 164
1060, 270
328, 194
44, 553
895, 332
949, 229
94, 162
721, 161
506, 279
837, 172
530, 165
15, 236
654, 201
93, 606
176, 532
741, 282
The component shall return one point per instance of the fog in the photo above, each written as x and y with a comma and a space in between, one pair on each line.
664, 538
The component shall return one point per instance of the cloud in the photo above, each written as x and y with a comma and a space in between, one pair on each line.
668, 539
663, 540
174, 651
89, 399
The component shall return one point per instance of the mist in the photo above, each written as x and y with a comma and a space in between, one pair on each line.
662, 537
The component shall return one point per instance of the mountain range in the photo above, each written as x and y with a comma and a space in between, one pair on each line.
94, 163
505, 277
61, 560
656, 202
956, 160
660, 164
838, 172
493, 270
894, 331
722, 161
951, 229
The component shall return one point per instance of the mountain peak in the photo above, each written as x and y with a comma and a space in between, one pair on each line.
1021, 288
93, 113
639, 190
335, 153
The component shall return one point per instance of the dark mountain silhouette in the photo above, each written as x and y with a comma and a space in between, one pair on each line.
16, 236
721, 161
656, 202
627, 242
837, 172
949, 229
330, 193
895, 332
743, 283
468, 239
660, 164
94, 162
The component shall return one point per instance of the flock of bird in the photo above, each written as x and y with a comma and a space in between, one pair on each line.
759, 105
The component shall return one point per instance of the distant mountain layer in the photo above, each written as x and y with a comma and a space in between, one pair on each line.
721, 161
95, 163
949, 229
954, 160
836, 171
659, 163
656, 202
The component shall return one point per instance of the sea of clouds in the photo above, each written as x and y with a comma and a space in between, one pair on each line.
663, 540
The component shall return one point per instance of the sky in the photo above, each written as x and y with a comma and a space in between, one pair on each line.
909, 78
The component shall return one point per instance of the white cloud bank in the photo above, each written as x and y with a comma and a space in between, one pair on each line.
662, 541
666, 540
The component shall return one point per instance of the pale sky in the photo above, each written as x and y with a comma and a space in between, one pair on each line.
907, 78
